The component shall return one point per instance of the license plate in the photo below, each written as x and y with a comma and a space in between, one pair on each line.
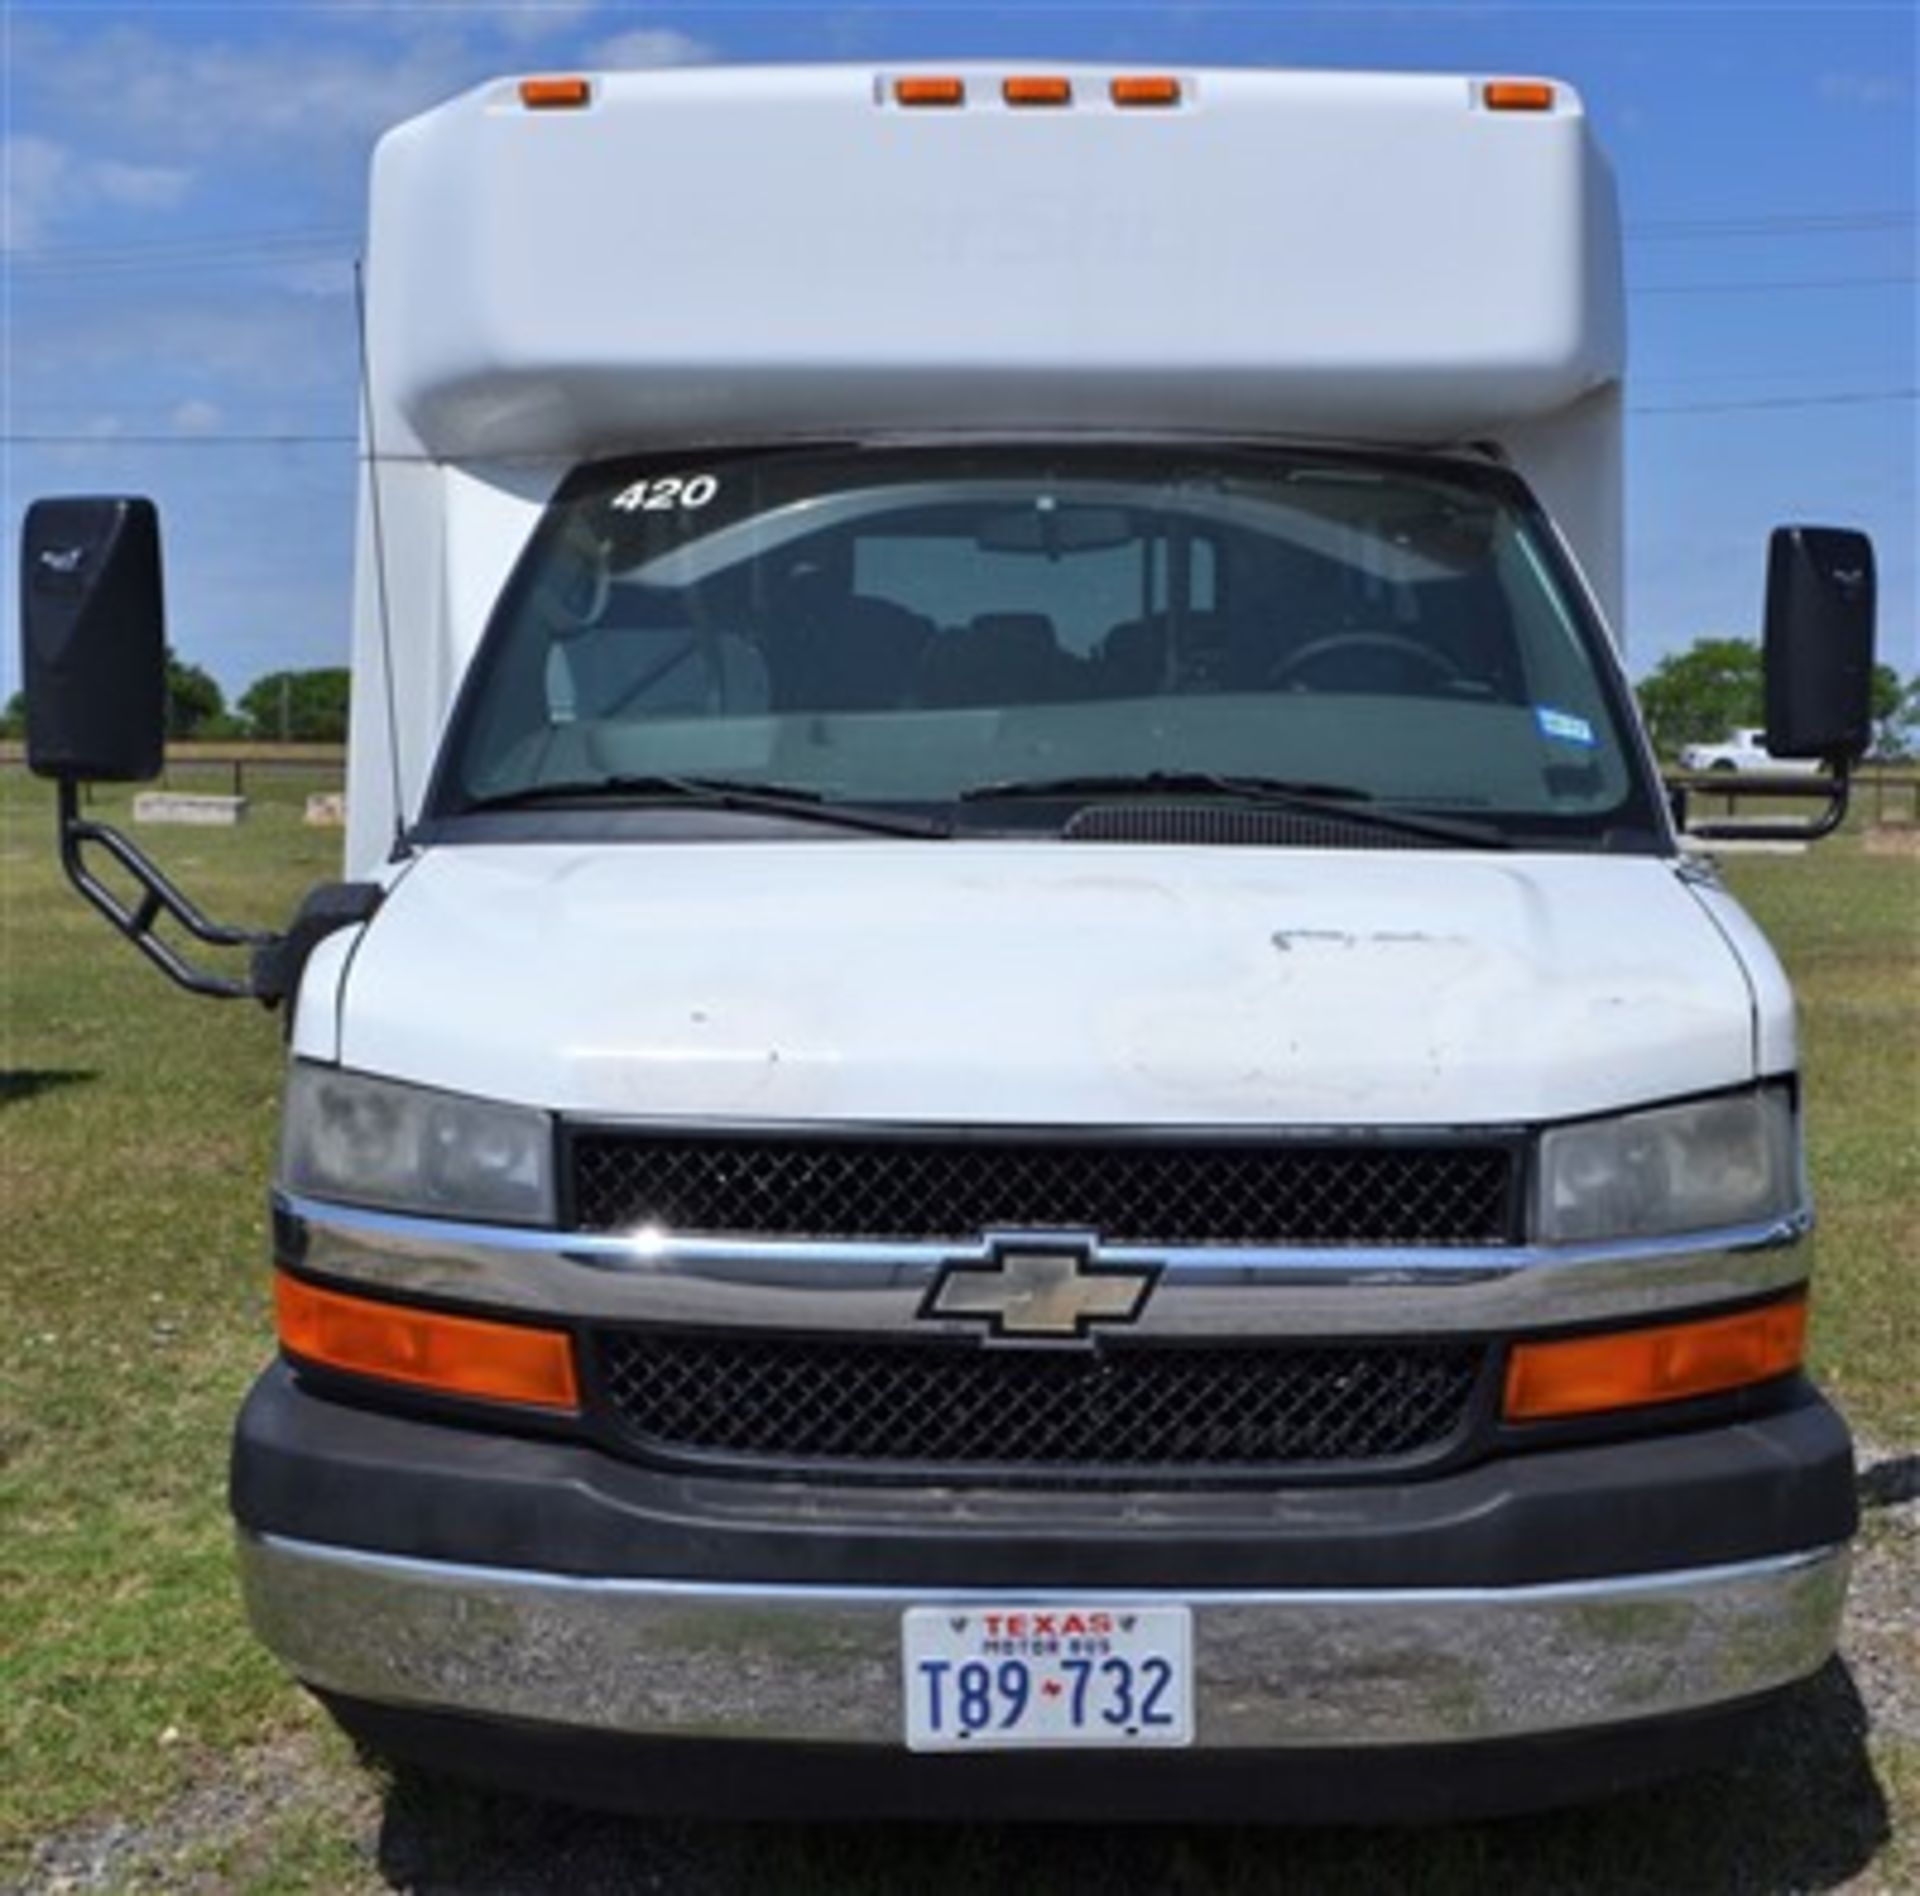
1002, 1678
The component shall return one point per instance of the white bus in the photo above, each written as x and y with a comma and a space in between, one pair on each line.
1020, 1104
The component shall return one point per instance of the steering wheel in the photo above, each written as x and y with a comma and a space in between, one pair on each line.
1370, 653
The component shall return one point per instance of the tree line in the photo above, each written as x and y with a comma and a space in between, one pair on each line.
1702, 694
286, 707
1691, 697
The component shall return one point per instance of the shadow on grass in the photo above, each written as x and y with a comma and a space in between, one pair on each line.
1801, 1809
1890, 1482
23, 1083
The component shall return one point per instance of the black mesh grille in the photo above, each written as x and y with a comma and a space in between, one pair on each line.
1372, 1192
1010, 1414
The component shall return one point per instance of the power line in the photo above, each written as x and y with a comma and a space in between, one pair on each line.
1750, 377
1853, 399
30, 275
136, 250
1777, 224
51, 439
1774, 283
284, 233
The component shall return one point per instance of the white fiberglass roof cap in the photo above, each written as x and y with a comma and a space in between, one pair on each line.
745, 253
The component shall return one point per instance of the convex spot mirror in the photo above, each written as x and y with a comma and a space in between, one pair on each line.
93, 639
1819, 643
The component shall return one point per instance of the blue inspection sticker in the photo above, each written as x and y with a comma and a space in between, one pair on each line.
1563, 725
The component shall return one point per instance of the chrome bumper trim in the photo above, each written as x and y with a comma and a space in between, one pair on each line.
822, 1665
1204, 1290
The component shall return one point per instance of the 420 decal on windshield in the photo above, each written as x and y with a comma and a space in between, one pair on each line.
666, 493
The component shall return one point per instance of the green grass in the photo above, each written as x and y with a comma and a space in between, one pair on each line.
135, 1131
1847, 925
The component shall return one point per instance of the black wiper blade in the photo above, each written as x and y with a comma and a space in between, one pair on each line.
711, 793
1347, 802
1173, 783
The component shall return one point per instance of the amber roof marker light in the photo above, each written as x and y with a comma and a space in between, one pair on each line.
930, 89
1146, 89
555, 94
1517, 95
1037, 89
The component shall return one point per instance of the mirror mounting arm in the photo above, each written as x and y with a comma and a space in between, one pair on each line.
158, 897
1836, 787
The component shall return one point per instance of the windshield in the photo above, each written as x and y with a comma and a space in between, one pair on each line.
974, 629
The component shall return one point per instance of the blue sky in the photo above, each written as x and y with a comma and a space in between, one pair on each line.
185, 187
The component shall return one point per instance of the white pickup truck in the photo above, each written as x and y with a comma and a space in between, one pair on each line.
1745, 751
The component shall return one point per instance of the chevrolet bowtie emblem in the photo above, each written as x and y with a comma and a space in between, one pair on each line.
1034, 1288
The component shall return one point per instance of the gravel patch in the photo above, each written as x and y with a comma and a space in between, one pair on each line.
238, 1799
1882, 1638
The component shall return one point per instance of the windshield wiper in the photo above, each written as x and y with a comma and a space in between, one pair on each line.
1346, 802
709, 793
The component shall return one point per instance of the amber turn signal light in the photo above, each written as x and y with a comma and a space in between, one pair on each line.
425, 1349
547, 95
1667, 1362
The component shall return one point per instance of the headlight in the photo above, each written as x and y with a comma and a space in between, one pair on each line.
365, 1141
1725, 1161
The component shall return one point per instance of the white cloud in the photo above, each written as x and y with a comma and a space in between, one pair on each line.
318, 276
170, 98
146, 187
536, 19
649, 46
36, 176
48, 182
196, 416
318, 102
97, 434
1864, 88
517, 20
286, 346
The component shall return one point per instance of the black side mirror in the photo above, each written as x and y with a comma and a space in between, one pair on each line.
1819, 643
93, 639
93, 648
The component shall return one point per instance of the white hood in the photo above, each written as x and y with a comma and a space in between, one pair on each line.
1054, 984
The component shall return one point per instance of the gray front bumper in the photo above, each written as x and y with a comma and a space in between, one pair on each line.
1274, 1670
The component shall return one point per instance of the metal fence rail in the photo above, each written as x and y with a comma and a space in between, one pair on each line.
233, 769
1880, 794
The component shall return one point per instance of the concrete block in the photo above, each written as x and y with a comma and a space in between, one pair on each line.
177, 806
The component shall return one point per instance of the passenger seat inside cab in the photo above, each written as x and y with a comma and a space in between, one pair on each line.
1136, 658
999, 658
844, 651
